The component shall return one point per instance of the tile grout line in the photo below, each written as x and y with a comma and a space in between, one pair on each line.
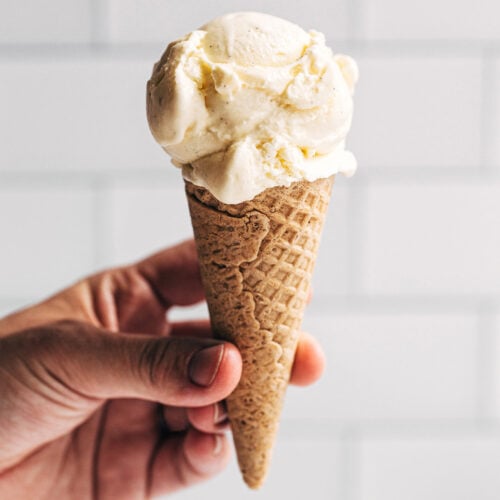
486, 384
488, 101
356, 207
100, 39
357, 204
356, 19
386, 428
102, 225
421, 48
397, 304
350, 470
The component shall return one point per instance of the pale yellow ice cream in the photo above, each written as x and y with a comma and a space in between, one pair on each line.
250, 101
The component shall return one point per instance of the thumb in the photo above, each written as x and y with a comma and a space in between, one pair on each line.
97, 364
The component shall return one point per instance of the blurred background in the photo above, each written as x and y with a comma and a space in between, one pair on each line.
407, 286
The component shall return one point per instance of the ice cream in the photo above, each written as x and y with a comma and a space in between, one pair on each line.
249, 102
255, 111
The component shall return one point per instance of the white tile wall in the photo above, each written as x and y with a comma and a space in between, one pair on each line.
32, 21
47, 239
142, 219
432, 239
428, 19
413, 111
406, 286
12, 305
292, 466
75, 113
448, 468
380, 366
162, 21
335, 258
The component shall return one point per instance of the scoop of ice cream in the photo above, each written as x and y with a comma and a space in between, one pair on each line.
250, 101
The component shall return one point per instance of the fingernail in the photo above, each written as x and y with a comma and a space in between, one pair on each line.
204, 365
217, 444
220, 414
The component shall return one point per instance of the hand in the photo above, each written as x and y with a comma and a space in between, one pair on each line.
90, 409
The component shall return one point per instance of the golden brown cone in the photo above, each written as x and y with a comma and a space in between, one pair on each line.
256, 261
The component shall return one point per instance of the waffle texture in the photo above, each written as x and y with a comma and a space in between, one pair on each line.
256, 261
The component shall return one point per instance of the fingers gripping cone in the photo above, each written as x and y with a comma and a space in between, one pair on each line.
256, 261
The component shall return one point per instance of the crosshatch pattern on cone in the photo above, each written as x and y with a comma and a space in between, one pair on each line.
256, 262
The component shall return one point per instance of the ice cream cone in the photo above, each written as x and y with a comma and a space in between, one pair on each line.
256, 261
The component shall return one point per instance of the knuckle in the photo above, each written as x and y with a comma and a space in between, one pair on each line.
41, 340
132, 285
50, 338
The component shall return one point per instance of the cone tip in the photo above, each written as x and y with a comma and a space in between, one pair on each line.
254, 482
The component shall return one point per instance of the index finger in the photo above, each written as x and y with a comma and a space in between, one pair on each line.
174, 275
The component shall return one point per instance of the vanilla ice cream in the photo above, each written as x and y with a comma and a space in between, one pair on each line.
249, 102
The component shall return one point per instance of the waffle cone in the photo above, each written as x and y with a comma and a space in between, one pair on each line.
256, 261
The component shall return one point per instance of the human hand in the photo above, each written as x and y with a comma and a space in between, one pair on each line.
102, 397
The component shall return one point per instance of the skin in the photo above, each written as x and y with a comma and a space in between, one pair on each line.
99, 395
